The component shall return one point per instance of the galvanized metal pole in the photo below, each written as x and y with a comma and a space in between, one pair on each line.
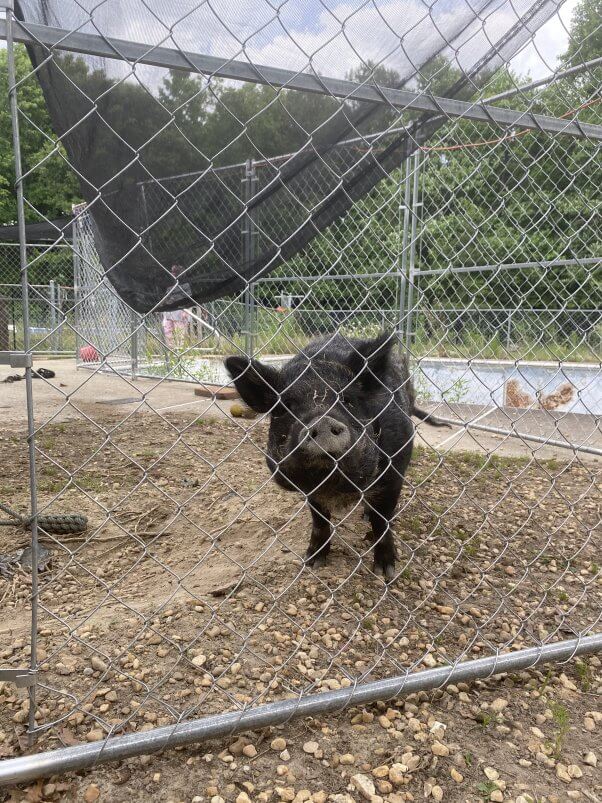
523, 436
248, 249
134, 324
412, 260
146, 217
77, 295
225, 67
60, 305
4, 322
14, 114
403, 256
548, 79
53, 295
14, 320
593, 262
253, 232
41, 765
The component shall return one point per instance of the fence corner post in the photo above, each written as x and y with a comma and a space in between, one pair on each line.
249, 183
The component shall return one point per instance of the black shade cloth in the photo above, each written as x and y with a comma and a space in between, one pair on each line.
43, 232
145, 223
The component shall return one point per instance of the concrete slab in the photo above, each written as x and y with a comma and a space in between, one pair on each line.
77, 392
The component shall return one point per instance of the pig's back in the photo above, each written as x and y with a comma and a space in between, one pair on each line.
338, 349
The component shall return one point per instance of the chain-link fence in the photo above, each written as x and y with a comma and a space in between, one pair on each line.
195, 570
50, 303
551, 317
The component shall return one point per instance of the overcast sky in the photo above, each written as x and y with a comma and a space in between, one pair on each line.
335, 36
540, 57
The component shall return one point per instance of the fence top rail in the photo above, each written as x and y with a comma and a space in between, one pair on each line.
431, 309
368, 137
39, 286
512, 309
541, 263
272, 160
48, 246
396, 274
215, 66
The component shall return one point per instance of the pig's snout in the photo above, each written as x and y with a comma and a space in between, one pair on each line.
325, 435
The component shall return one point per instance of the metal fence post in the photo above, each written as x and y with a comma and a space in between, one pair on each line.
146, 217
4, 325
403, 255
248, 249
412, 260
13, 314
134, 323
76, 257
53, 297
60, 298
14, 113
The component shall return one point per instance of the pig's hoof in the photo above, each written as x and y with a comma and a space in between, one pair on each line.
316, 559
386, 569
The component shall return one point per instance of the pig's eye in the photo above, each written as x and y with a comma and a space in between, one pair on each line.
282, 408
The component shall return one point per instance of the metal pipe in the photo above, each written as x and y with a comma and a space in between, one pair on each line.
28, 768
411, 266
249, 186
556, 76
204, 323
543, 263
53, 298
77, 279
14, 113
134, 329
402, 262
522, 435
139, 53
47, 246
246, 254
14, 319
390, 274
147, 222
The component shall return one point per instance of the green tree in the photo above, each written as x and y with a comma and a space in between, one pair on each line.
251, 121
380, 117
51, 188
585, 39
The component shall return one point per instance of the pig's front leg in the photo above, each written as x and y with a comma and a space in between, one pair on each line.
380, 510
319, 544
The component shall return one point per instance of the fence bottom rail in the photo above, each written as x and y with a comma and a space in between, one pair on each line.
31, 767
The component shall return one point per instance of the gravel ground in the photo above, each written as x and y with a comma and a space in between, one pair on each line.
187, 596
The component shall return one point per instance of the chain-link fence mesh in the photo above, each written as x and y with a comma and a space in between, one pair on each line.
51, 298
471, 242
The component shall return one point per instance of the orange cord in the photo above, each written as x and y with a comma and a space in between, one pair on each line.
499, 140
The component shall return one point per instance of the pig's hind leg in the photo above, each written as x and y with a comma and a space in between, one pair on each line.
321, 531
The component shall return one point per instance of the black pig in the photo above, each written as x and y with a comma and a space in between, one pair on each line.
340, 428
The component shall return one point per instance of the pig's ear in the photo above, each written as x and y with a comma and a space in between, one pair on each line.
372, 357
256, 382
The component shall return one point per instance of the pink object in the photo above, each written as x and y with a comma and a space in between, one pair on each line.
89, 354
174, 326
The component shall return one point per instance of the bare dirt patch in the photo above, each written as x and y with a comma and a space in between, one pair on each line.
188, 596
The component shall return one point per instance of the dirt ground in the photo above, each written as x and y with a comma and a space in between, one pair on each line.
187, 596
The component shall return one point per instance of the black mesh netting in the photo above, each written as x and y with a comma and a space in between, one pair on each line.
156, 192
